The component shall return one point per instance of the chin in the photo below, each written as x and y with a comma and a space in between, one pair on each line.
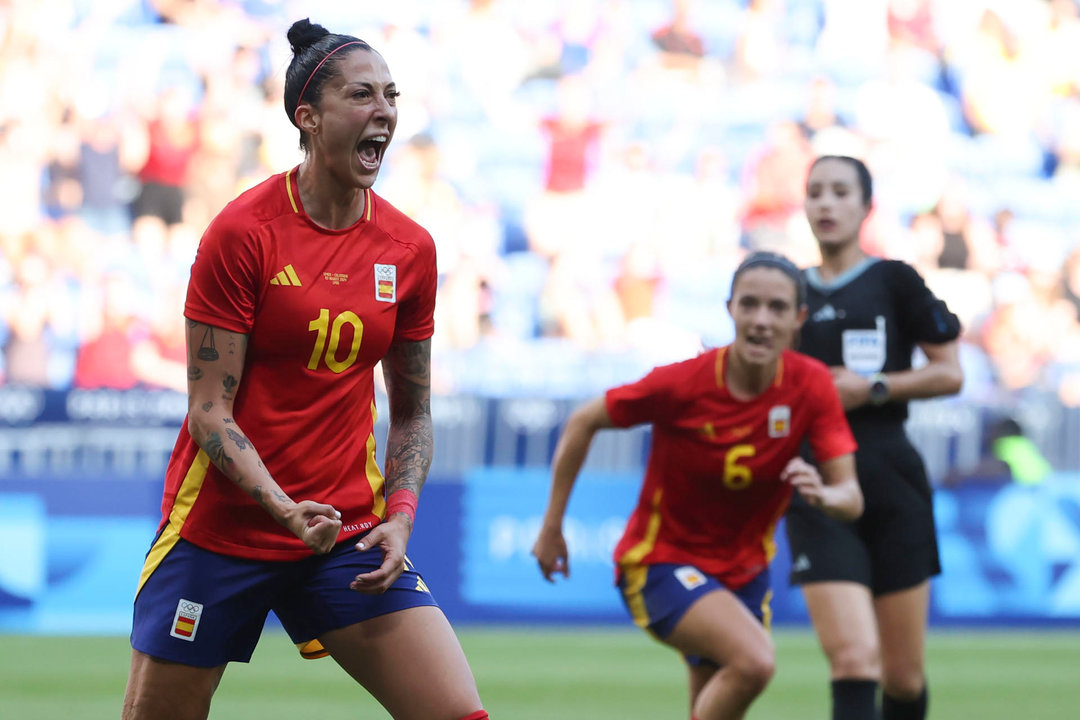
757, 355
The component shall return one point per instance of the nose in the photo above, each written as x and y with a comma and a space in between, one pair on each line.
760, 316
383, 108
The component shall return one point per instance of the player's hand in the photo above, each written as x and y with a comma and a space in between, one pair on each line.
316, 524
550, 552
853, 388
806, 480
391, 536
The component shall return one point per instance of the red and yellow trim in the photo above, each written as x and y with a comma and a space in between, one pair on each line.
289, 191
719, 367
369, 204
632, 569
182, 504
721, 354
369, 201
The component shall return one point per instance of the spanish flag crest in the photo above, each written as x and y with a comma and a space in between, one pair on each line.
386, 283
779, 421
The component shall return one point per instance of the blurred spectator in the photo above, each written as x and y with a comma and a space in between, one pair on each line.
967, 240
172, 141
774, 184
680, 45
159, 357
1007, 456
105, 357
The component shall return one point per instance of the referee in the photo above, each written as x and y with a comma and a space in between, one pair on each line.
866, 583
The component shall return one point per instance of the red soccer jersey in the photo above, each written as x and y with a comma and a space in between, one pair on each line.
320, 308
712, 493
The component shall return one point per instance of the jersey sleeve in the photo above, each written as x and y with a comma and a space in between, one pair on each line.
224, 277
922, 315
644, 401
830, 435
416, 315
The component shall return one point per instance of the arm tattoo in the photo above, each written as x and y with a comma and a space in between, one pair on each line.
206, 406
238, 438
257, 493
207, 348
216, 450
409, 441
193, 373
229, 383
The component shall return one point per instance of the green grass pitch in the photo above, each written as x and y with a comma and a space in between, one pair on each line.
564, 674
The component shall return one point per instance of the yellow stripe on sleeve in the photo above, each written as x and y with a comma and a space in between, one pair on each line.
185, 499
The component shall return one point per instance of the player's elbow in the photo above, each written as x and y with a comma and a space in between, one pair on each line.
588, 418
954, 380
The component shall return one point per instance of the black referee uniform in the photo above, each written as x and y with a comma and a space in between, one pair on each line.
870, 319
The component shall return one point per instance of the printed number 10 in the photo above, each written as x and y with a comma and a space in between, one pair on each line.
322, 325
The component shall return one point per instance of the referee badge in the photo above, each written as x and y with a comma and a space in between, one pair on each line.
779, 421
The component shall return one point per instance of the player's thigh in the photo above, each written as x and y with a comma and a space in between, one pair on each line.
843, 617
410, 661
163, 690
720, 628
901, 618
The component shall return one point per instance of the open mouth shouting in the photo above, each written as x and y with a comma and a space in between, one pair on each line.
370, 151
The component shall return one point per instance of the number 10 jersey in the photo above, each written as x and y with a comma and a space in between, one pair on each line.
320, 308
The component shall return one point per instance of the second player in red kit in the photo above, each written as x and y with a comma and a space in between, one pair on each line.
692, 564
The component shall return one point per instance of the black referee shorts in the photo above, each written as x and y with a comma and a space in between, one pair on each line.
892, 546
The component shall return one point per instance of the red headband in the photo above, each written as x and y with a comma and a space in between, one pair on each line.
300, 98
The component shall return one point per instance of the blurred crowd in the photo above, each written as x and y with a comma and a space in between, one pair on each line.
592, 171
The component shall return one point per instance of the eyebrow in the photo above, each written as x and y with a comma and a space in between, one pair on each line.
369, 84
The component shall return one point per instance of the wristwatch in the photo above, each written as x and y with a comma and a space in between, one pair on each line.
879, 389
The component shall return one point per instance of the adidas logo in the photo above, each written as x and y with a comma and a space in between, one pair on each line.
287, 276
801, 564
826, 313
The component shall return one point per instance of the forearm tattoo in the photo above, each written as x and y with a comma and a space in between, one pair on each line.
215, 449
238, 439
229, 383
410, 442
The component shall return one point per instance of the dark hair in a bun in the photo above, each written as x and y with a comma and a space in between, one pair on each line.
315, 60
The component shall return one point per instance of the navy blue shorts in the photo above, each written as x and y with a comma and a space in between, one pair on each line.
658, 596
205, 609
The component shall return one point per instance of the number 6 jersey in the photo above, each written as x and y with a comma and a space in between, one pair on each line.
712, 493
320, 309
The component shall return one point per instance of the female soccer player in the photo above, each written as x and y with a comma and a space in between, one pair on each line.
692, 564
866, 583
273, 499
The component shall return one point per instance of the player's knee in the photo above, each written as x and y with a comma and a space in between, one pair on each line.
753, 671
855, 660
905, 686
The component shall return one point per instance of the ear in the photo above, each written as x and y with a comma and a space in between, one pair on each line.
801, 316
306, 118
